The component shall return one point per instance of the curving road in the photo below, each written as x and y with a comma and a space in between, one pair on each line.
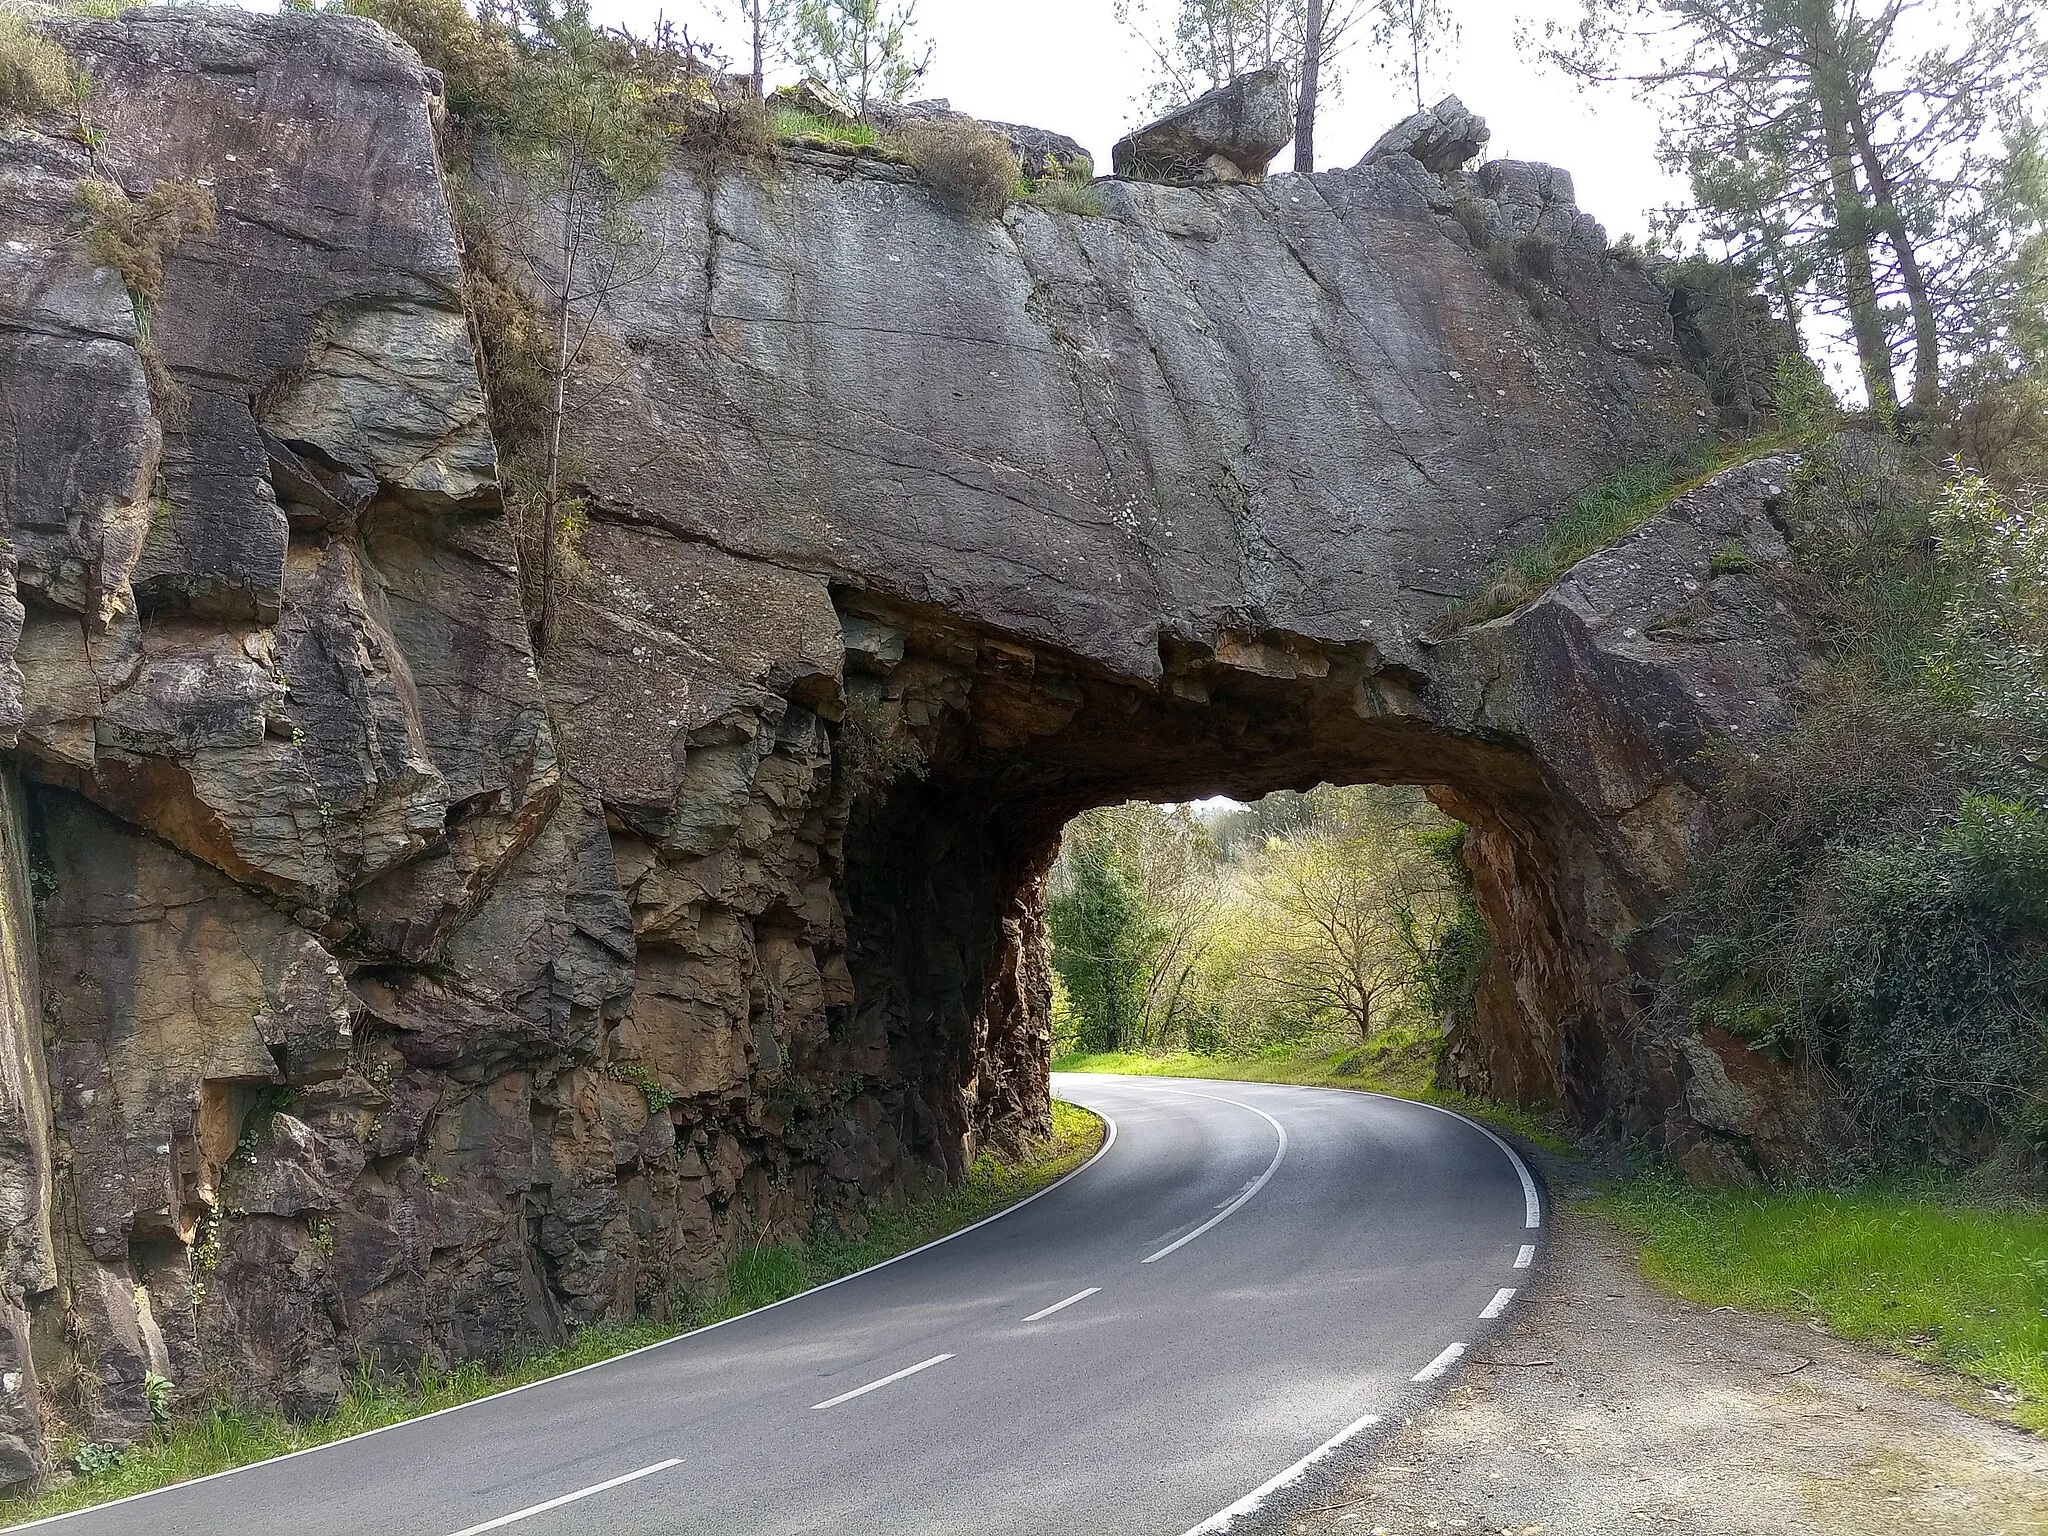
1247, 1276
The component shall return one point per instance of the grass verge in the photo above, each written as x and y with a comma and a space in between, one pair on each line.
227, 1436
1603, 515
1913, 1264
1397, 1062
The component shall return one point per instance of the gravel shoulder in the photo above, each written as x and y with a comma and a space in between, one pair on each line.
1603, 1405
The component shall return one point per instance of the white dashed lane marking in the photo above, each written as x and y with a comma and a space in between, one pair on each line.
1440, 1364
568, 1498
1062, 1305
908, 1370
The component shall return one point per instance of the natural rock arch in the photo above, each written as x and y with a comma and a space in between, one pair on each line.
374, 985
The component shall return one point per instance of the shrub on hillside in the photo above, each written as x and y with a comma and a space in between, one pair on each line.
476, 55
972, 168
135, 237
35, 72
1878, 903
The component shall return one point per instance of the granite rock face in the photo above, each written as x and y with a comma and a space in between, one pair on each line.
375, 987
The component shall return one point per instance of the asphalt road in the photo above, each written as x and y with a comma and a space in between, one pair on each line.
1248, 1273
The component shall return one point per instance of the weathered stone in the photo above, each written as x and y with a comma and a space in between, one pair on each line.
293, 1169
814, 97
1230, 134
1442, 139
1040, 151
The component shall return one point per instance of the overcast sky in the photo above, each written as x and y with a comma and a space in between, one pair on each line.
1068, 66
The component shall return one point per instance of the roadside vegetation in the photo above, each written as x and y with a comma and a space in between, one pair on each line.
1922, 1265
227, 1435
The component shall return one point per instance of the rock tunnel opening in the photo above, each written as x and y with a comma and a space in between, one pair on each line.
992, 746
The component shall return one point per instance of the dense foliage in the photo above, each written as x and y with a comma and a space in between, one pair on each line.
1334, 916
1879, 907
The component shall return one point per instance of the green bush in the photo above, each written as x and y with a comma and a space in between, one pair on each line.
1456, 954
477, 56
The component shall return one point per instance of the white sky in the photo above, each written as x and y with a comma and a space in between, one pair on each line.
1068, 66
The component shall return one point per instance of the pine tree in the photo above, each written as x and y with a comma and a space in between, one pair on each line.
1885, 179
866, 50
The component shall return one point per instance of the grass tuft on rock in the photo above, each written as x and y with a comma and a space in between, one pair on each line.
229, 1435
798, 126
1911, 1263
35, 71
973, 169
1063, 189
1601, 516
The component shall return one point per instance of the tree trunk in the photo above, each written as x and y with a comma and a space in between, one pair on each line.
551, 504
1926, 340
1859, 283
1833, 90
1311, 85
760, 73
1415, 47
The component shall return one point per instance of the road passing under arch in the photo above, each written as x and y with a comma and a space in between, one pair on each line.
1247, 1278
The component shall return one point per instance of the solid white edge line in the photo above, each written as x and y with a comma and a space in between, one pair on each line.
1500, 1301
1060, 1306
1108, 1141
568, 1498
1252, 1189
1223, 1519
1532, 1203
1440, 1364
1526, 1257
873, 1386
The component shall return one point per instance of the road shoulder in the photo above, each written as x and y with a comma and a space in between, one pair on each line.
1605, 1405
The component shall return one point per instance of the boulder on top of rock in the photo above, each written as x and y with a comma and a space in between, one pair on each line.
1229, 135
814, 98
1040, 151
1446, 138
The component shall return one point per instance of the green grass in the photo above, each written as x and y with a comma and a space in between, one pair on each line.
1398, 1062
1602, 516
1911, 1264
1061, 190
229, 1436
806, 125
